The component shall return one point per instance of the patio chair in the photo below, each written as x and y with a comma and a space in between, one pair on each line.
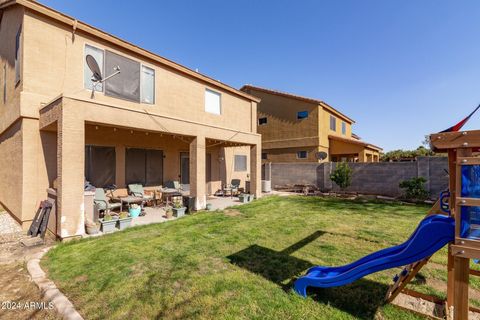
173, 185
235, 186
102, 203
138, 191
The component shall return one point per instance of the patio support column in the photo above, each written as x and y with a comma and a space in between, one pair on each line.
197, 172
70, 173
255, 170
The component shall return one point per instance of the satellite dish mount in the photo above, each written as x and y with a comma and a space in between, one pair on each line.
97, 73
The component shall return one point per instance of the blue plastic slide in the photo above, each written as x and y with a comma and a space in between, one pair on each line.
431, 235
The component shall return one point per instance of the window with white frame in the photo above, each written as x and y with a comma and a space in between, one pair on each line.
213, 102
240, 163
148, 85
98, 55
344, 128
333, 123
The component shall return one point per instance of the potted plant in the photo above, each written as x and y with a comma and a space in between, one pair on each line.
91, 227
134, 210
124, 220
108, 223
169, 213
243, 197
178, 209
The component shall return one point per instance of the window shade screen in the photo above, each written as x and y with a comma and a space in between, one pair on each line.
154, 168
212, 102
100, 165
144, 166
126, 84
97, 54
148, 85
17, 55
333, 123
135, 166
240, 163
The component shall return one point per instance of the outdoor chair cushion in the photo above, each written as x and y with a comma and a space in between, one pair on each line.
101, 200
137, 191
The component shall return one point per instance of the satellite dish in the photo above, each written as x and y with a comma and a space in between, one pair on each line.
321, 155
93, 66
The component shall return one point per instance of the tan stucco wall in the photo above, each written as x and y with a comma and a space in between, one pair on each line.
11, 22
41, 149
324, 127
283, 129
11, 173
54, 64
290, 154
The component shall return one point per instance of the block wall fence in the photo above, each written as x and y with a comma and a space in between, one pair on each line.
380, 178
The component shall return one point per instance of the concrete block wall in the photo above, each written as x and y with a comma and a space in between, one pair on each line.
380, 178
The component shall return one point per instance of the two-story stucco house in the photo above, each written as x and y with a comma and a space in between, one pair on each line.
153, 122
300, 129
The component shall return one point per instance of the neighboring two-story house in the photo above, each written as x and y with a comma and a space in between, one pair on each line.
154, 121
300, 129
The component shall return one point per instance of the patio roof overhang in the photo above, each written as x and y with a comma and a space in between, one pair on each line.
92, 112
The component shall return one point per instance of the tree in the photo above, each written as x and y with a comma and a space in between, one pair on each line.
342, 175
397, 155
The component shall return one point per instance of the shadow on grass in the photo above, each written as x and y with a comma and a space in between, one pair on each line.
361, 298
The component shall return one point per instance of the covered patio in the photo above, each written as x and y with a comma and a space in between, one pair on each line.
138, 147
352, 150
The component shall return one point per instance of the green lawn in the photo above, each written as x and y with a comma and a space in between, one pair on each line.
240, 264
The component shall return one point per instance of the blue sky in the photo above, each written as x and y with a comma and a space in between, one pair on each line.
401, 69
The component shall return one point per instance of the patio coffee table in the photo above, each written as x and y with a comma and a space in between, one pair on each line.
169, 193
130, 199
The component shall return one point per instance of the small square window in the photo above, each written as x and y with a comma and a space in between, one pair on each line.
240, 163
333, 123
302, 115
344, 128
264, 156
262, 121
302, 154
212, 102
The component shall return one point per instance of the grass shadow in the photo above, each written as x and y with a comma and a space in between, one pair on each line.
361, 298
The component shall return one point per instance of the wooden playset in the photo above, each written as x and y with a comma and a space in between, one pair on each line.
454, 221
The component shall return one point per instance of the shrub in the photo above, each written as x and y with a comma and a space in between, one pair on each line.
342, 175
414, 188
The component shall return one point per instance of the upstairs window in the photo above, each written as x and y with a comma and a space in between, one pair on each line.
240, 163
212, 102
148, 85
302, 115
135, 82
17, 55
333, 123
344, 128
126, 84
302, 154
262, 121
98, 55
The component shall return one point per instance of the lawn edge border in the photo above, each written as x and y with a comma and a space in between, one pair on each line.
49, 290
